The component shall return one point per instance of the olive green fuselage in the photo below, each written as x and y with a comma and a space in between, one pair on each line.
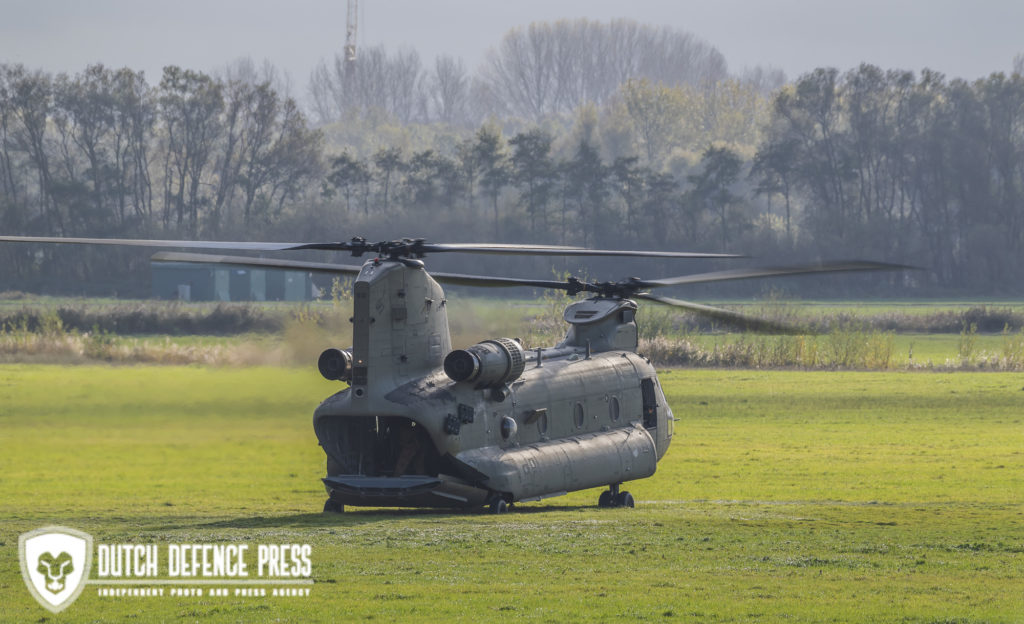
585, 413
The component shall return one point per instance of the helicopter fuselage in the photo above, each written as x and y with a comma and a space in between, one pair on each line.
415, 429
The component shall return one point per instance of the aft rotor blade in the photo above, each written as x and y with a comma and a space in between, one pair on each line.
555, 250
261, 263
737, 274
750, 323
458, 279
143, 242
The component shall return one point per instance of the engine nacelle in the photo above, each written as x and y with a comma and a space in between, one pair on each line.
489, 364
335, 365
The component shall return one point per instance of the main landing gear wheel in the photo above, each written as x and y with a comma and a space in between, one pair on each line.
331, 506
612, 497
498, 506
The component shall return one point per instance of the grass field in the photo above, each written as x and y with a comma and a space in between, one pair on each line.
787, 496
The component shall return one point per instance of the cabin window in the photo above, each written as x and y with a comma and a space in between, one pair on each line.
542, 423
650, 403
578, 415
613, 409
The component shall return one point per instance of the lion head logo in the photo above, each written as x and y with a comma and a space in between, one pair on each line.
55, 563
56, 570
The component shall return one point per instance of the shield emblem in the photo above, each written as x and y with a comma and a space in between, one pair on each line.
55, 563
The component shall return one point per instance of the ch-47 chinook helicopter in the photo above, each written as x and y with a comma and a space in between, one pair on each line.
423, 425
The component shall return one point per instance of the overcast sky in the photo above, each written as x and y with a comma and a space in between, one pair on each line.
961, 38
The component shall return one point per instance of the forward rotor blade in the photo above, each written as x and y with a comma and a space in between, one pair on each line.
360, 247
418, 247
204, 258
262, 263
737, 274
456, 279
750, 323
143, 242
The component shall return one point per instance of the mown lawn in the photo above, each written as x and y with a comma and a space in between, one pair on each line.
787, 496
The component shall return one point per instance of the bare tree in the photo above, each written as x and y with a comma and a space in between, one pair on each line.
190, 106
379, 85
323, 96
521, 71
31, 104
83, 114
449, 90
134, 113
766, 79
549, 68
9, 187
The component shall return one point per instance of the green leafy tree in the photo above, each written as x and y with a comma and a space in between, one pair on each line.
712, 187
660, 203
586, 181
421, 180
348, 174
656, 112
389, 163
534, 172
774, 167
492, 166
628, 182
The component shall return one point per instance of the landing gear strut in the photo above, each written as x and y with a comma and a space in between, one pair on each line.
612, 497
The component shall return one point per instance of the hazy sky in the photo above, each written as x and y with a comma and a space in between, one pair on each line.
961, 38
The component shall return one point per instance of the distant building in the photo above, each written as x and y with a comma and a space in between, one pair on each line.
187, 281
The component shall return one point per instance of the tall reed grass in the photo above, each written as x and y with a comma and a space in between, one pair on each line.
295, 335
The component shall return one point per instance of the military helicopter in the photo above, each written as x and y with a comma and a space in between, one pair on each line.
423, 425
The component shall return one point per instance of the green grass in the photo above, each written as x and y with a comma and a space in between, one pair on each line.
787, 496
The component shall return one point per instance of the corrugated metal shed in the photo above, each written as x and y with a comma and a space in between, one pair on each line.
188, 281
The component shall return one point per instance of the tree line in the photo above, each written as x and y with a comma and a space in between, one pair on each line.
103, 153
885, 165
916, 169
535, 72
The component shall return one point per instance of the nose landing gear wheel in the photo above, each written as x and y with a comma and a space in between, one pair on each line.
331, 506
498, 506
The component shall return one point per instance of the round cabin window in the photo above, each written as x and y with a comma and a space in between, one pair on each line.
613, 408
577, 415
